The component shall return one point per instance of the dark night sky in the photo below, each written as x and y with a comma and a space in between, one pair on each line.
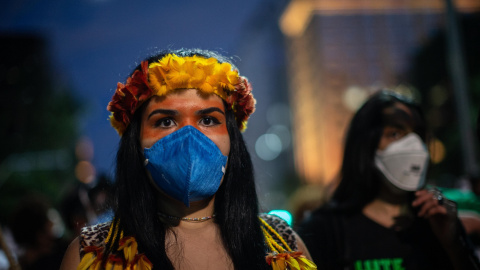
93, 44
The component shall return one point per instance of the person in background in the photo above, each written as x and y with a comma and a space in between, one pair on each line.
32, 224
304, 200
100, 199
84, 205
381, 215
185, 193
73, 211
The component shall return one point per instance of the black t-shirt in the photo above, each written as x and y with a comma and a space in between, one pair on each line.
353, 241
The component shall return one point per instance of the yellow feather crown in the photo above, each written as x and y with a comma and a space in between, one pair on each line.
175, 72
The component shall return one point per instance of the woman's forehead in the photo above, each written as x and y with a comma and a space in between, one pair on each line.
180, 96
399, 115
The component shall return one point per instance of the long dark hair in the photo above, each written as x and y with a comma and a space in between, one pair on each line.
236, 205
360, 180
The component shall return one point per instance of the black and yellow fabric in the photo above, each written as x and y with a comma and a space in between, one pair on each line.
282, 256
94, 240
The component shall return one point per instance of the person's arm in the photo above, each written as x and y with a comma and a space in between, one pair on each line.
471, 224
71, 259
442, 216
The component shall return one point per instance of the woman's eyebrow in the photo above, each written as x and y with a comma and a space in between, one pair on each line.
209, 110
162, 111
398, 118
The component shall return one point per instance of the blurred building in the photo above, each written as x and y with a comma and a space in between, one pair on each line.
338, 53
268, 136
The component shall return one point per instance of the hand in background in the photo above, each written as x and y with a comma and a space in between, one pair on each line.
440, 212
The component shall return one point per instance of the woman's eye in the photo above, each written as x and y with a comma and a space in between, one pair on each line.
209, 121
397, 135
165, 122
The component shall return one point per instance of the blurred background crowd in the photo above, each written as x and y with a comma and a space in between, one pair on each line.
60, 62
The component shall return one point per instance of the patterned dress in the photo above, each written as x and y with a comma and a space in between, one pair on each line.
95, 235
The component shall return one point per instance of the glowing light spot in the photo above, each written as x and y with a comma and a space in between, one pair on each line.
84, 149
85, 172
268, 146
437, 151
283, 214
283, 134
354, 97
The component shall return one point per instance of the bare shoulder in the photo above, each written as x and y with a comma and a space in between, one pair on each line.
71, 259
302, 247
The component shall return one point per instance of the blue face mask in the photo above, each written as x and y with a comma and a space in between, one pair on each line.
186, 165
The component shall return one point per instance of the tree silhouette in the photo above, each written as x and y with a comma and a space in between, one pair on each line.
37, 116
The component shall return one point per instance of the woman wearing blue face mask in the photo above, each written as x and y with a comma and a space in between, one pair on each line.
185, 194
380, 215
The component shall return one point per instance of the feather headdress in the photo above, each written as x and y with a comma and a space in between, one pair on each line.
174, 72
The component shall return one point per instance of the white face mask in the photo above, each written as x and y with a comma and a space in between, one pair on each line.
404, 162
